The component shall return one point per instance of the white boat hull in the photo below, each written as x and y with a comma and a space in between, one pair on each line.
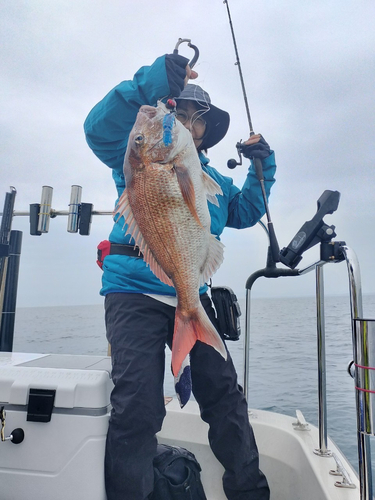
287, 457
64, 458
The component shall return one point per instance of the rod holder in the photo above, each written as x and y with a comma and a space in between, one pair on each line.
10, 292
45, 209
85, 218
74, 207
34, 219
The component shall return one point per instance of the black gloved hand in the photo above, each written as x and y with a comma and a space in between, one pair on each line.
259, 150
176, 72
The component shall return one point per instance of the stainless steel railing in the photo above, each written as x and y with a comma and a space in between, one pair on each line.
363, 355
363, 434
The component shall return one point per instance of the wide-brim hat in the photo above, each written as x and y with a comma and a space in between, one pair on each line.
217, 119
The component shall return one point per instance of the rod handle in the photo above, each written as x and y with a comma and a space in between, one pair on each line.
275, 250
258, 169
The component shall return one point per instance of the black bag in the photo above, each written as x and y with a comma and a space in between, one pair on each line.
228, 312
177, 475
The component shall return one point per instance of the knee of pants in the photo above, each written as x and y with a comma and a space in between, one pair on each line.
137, 413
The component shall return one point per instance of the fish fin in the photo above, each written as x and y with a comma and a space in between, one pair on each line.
123, 208
183, 383
155, 267
214, 259
187, 330
212, 188
187, 189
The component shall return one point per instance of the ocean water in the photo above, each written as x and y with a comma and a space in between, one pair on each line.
283, 354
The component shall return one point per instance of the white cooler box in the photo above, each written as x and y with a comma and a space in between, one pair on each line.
61, 402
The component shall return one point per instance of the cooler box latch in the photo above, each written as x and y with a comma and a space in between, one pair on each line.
40, 405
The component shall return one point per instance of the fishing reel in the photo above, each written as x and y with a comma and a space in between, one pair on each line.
232, 163
16, 436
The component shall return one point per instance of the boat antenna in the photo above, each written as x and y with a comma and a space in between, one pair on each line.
274, 246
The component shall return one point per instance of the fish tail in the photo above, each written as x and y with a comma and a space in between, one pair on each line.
188, 329
183, 383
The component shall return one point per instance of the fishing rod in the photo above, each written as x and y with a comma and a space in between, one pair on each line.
274, 246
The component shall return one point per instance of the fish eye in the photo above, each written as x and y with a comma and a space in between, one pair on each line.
138, 139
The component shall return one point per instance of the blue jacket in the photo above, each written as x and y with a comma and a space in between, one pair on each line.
107, 129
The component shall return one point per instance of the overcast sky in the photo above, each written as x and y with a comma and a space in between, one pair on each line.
309, 71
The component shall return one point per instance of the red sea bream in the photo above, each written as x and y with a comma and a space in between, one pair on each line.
165, 209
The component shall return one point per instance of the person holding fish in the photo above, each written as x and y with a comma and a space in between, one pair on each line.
164, 247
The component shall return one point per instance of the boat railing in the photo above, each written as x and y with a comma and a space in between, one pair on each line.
363, 332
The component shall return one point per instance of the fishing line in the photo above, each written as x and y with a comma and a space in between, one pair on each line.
205, 106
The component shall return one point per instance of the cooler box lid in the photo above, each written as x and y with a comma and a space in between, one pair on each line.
77, 381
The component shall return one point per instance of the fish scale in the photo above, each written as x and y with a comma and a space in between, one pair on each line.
169, 227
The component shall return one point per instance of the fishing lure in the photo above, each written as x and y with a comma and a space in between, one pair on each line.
168, 122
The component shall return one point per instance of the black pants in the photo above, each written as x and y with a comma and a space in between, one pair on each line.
138, 328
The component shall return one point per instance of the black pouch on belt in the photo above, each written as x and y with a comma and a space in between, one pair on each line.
228, 312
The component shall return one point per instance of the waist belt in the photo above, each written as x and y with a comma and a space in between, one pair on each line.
122, 249
107, 248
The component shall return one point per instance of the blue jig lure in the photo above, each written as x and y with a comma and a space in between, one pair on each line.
168, 122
